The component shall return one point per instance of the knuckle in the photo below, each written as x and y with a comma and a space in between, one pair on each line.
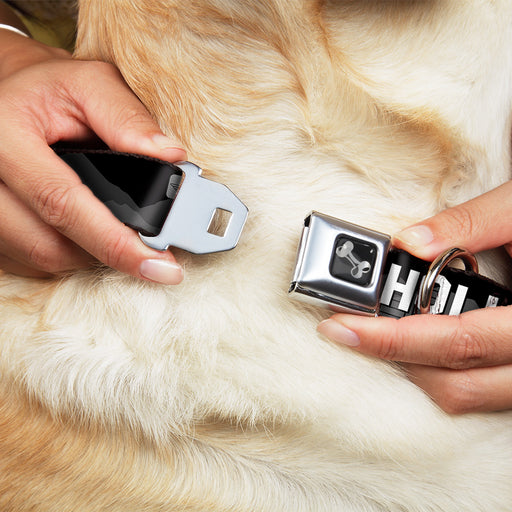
385, 349
53, 203
461, 220
460, 394
389, 345
465, 348
115, 251
43, 257
130, 123
132, 117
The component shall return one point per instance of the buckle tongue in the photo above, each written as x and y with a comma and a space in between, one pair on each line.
187, 225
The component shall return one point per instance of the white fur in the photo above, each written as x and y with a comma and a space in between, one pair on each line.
310, 426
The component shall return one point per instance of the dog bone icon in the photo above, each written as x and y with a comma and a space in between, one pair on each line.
358, 267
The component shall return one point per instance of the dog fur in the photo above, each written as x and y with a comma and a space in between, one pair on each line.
217, 394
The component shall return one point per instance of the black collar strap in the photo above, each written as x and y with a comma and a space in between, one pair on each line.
169, 204
356, 270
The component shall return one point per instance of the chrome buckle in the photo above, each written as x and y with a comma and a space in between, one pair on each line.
340, 265
187, 225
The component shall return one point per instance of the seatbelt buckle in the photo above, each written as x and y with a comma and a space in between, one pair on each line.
197, 203
351, 269
340, 265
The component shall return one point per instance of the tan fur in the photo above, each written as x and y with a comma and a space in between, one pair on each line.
217, 394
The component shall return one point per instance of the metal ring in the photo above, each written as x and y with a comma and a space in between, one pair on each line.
437, 266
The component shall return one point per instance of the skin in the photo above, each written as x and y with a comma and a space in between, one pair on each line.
51, 222
463, 362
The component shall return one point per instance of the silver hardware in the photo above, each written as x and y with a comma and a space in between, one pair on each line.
313, 280
427, 285
192, 212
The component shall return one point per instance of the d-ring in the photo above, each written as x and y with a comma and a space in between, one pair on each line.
437, 266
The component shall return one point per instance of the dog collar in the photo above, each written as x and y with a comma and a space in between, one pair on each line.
168, 204
351, 269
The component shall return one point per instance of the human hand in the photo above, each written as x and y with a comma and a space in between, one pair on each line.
463, 362
49, 221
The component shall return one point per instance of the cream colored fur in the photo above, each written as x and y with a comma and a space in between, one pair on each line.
217, 394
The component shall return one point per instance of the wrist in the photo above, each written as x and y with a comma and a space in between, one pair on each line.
9, 17
11, 28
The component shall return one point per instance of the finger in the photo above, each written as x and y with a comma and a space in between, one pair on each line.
29, 242
463, 391
58, 100
14, 267
51, 189
58, 197
479, 224
474, 339
117, 116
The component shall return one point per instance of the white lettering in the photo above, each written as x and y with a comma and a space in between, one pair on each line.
406, 289
458, 300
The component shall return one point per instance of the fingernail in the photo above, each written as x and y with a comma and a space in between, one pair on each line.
416, 236
164, 143
338, 333
161, 271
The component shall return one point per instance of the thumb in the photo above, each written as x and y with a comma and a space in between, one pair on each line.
479, 224
120, 119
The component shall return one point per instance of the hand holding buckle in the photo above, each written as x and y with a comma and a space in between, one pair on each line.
168, 204
351, 269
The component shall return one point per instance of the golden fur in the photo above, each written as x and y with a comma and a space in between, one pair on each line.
217, 394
